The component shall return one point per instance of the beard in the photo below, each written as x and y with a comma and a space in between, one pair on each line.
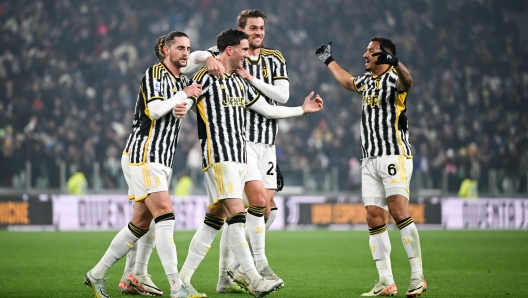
253, 45
178, 64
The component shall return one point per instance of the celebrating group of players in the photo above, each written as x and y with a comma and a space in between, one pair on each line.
234, 91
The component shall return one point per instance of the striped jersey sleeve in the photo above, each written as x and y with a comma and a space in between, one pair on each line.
269, 67
155, 140
384, 127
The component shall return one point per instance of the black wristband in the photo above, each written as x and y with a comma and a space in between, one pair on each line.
330, 59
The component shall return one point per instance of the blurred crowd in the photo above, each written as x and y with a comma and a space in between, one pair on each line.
70, 71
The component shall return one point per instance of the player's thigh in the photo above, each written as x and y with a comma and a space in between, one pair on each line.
268, 167
149, 178
255, 193
254, 162
224, 180
395, 172
372, 189
126, 172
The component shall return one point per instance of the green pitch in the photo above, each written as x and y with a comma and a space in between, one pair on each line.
311, 263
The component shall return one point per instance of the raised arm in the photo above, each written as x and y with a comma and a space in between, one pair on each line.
405, 80
324, 53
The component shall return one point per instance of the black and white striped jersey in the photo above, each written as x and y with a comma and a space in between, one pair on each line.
384, 128
269, 67
155, 140
221, 116
135, 126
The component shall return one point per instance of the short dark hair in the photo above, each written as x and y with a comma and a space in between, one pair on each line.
249, 13
158, 48
229, 37
170, 37
386, 43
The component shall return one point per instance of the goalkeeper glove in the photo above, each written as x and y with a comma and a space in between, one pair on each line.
385, 57
324, 53
280, 179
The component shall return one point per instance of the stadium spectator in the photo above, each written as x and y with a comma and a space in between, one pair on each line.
56, 65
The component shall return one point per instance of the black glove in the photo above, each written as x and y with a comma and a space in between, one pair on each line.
385, 58
280, 179
324, 53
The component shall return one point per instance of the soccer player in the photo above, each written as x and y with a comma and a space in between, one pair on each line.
387, 158
221, 129
266, 70
163, 99
138, 257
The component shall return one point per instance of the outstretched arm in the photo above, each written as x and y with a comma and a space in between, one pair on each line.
324, 53
280, 112
342, 76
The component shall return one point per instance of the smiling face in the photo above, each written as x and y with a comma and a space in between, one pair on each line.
177, 51
256, 31
373, 47
238, 53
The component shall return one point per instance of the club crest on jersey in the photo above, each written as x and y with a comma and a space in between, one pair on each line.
222, 86
157, 86
265, 71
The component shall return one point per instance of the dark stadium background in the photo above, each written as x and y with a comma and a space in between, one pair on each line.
70, 70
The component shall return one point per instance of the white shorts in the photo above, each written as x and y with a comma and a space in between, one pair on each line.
261, 163
148, 178
224, 180
384, 176
126, 172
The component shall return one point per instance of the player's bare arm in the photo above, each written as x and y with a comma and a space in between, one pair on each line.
405, 80
342, 76
324, 53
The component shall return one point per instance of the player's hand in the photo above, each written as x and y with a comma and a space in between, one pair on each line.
312, 106
280, 179
244, 74
324, 53
193, 90
214, 67
180, 110
385, 57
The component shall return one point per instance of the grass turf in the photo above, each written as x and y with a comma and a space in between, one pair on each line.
312, 263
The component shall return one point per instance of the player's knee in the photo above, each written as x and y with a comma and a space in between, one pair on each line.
257, 199
399, 214
375, 216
